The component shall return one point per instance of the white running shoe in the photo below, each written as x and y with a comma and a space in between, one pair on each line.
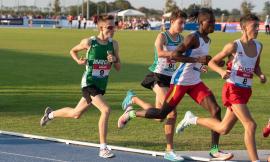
45, 119
106, 153
185, 122
123, 120
221, 156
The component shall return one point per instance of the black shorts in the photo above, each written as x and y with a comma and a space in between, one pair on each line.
91, 90
154, 78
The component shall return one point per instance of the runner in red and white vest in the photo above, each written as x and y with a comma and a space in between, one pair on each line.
243, 61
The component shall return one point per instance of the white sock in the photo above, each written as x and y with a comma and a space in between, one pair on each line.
193, 120
169, 151
103, 146
51, 115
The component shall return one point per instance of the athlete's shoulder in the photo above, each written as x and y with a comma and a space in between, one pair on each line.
231, 47
115, 43
258, 42
181, 37
192, 40
89, 40
85, 41
162, 35
193, 36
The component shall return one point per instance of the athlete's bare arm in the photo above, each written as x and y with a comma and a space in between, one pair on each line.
258, 70
228, 50
190, 42
159, 43
83, 45
116, 60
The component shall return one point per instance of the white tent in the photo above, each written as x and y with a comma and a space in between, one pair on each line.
130, 12
167, 14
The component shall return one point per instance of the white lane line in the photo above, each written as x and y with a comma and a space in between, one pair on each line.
36, 157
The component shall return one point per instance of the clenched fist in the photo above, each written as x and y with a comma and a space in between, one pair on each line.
204, 59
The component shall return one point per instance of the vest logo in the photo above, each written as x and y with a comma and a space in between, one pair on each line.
101, 62
240, 53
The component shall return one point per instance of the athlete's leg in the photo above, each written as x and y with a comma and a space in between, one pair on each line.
99, 102
222, 127
144, 105
202, 95
244, 116
173, 97
171, 117
210, 104
68, 112
160, 95
154, 113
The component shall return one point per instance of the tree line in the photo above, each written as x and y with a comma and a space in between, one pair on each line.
97, 8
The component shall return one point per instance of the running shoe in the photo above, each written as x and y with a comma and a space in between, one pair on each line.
106, 153
128, 99
221, 156
45, 119
185, 122
172, 156
266, 130
123, 120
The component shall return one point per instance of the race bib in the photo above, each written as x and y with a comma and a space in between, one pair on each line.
170, 65
101, 69
243, 79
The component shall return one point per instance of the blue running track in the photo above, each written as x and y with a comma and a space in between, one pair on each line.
19, 149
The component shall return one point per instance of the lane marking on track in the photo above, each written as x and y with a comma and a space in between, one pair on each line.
36, 157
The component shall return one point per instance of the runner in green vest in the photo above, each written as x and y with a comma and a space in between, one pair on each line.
102, 53
159, 77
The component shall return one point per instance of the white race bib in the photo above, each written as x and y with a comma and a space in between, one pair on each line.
101, 71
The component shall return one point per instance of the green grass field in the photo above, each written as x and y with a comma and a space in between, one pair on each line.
36, 70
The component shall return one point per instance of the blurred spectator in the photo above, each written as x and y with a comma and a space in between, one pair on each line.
163, 19
266, 24
30, 20
95, 19
70, 18
79, 18
84, 22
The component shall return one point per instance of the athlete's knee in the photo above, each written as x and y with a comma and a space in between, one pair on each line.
224, 130
165, 111
106, 111
76, 114
163, 116
172, 115
250, 126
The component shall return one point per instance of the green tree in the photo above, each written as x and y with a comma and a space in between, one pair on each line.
192, 8
56, 7
170, 5
266, 8
235, 12
73, 10
246, 7
122, 4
